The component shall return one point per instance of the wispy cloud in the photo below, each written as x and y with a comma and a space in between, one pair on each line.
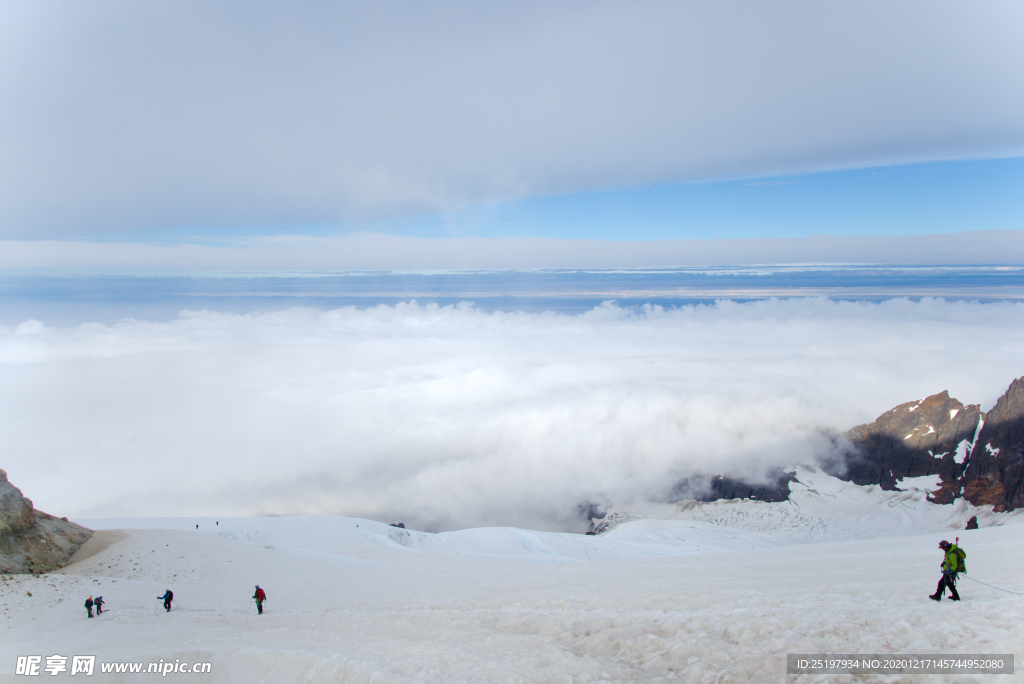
370, 251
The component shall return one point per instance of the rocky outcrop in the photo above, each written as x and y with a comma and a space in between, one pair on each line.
776, 488
32, 541
933, 436
979, 456
996, 473
16, 513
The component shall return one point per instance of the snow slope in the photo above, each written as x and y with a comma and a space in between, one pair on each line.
822, 507
720, 598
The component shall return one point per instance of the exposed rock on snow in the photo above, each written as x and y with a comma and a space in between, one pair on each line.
913, 440
995, 474
32, 541
822, 507
720, 487
978, 456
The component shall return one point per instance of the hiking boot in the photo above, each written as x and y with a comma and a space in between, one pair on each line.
935, 597
954, 598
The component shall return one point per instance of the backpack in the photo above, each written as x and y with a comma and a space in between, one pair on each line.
961, 566
170, 595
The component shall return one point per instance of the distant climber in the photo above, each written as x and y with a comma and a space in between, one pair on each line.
260, 597
197, 526
98, 602
88, 605
167, 598
952, 563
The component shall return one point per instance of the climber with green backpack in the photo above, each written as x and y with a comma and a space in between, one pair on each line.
952, 564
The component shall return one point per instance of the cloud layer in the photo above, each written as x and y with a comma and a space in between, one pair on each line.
123, 115
367, 251
453, 417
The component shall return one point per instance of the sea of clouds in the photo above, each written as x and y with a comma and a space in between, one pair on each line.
452, 417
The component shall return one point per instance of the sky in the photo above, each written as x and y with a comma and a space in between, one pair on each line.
174, 176
149, 123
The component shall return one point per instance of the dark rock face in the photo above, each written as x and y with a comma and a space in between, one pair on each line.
715, 488
972, 524
720, 487
32, 541
979, 456
996, 473
929, 437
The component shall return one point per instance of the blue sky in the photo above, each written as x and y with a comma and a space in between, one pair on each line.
896, 200
912, 199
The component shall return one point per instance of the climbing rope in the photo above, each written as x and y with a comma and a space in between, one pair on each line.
212, 610
989, 585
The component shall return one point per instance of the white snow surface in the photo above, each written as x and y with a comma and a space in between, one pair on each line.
708, 590
962, 450
924, 483
824, 508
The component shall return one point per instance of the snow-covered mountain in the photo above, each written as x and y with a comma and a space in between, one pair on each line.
691, 591
978, 456
820, 507
718, 591
967, 454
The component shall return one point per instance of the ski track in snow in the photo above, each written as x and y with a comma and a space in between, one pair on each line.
690, 593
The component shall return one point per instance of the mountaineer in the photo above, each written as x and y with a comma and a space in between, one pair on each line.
260, 597
167, 598
952, 564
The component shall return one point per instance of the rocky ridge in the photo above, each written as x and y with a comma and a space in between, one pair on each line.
32, 541
933, 436
996, 472
978, 456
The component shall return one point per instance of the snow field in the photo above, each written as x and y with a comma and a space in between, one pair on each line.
824, 508
357, 606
